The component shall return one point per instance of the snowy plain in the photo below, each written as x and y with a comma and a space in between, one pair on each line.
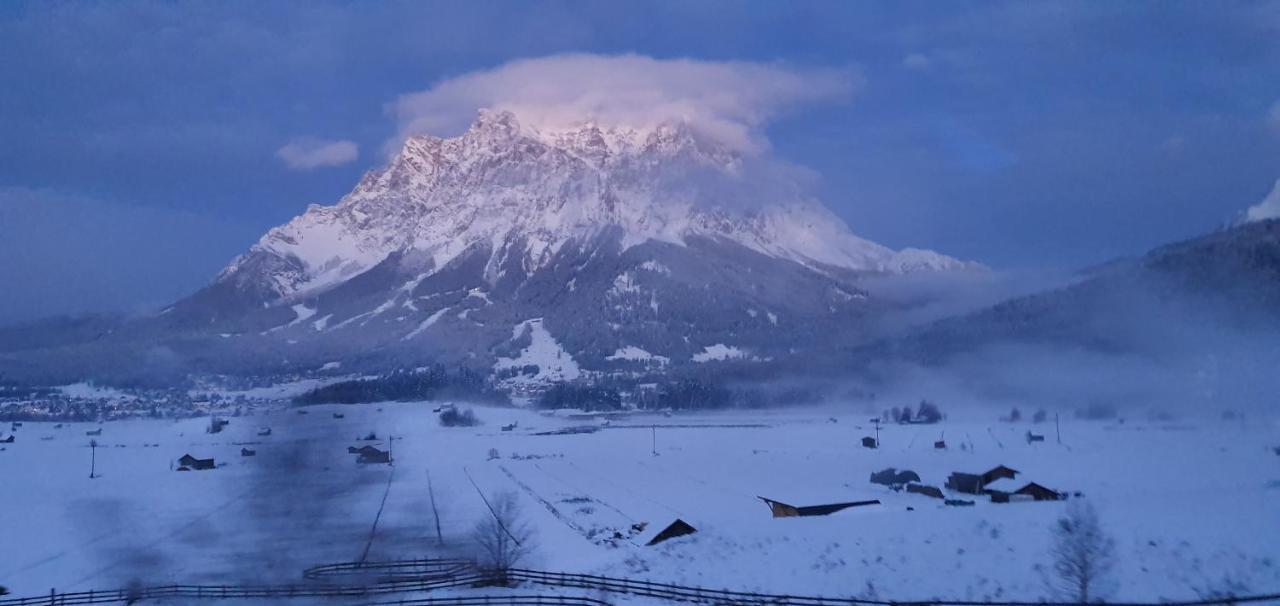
1193, 505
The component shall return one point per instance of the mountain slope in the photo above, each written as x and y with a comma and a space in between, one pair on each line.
1196, 320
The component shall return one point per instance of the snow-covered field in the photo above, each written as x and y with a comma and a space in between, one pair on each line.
1194, 506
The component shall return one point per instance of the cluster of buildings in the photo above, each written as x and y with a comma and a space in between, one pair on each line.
1001, 485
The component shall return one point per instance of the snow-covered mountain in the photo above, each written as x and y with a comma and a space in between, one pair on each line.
621, 246
524, 195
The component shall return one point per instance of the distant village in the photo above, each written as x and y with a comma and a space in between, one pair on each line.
91, 405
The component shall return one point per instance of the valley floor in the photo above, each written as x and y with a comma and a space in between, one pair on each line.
1194, 506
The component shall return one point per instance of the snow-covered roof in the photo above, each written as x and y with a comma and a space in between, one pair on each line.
1006, 485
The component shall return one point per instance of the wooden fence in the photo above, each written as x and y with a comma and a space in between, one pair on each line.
355, 579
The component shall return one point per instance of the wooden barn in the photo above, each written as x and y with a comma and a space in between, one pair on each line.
191, 462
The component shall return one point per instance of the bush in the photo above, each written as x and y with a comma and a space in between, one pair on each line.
452, 417
928, 412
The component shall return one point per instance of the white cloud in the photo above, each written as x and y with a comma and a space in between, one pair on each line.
1268, 208
308, 154
917, 61
730, 101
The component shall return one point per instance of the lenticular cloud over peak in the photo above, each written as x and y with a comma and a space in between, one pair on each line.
729, 101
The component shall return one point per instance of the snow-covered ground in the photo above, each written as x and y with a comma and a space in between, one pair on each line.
1194, 506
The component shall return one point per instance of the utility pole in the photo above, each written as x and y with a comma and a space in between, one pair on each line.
654, 428
93, 457
390, 443
435, 512
1057, 428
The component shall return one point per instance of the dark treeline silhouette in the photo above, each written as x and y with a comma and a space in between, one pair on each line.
591, 398
655, 392
430, 383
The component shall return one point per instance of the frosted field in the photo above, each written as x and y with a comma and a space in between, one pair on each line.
1194, 506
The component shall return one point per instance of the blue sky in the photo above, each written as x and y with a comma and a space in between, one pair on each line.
141, 141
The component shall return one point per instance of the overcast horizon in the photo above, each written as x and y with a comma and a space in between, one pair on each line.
148, 144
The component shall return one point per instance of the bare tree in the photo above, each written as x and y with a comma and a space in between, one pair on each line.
503, 538
1083, 554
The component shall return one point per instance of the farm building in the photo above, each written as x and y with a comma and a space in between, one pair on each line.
928, 491
191, 462
783, 510
677, 528
369, 454
1039, 493
869, 442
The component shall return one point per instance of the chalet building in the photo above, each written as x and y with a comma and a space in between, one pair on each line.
1034, 437
191, 462
869, 442
248, 452
8, 440
940, 445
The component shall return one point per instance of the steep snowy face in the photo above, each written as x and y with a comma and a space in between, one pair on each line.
517, 191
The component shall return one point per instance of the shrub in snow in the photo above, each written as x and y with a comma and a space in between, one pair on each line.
1083, 555
1040, 417
928, 412
502, 537
453, 417
1015, 415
